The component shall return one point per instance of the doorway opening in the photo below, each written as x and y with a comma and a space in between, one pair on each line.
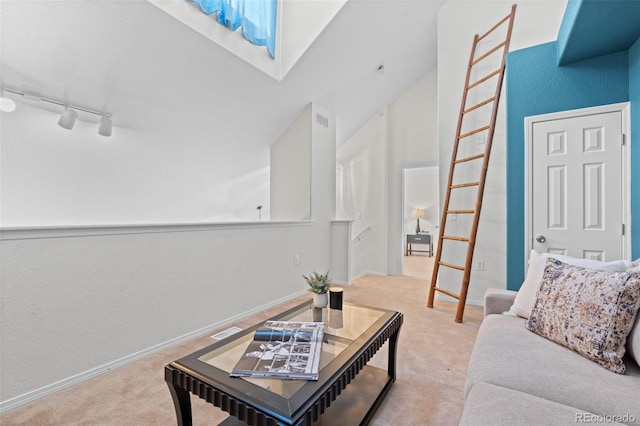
420, 219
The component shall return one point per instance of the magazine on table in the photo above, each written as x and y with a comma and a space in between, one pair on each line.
283, 349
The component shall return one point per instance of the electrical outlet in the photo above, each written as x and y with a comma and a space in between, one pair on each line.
481, 138
480, 265
453, 217
296, 259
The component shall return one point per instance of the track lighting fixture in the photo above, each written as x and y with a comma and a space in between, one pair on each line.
68, 117
105, 127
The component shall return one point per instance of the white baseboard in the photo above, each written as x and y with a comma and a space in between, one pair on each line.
377, 273
105, 368
470, 302
475, 302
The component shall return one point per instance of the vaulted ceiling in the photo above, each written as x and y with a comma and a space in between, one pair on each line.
153, 73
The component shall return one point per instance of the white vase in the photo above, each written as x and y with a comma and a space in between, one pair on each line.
320, 300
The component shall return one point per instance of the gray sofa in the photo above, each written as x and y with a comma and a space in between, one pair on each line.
516, 377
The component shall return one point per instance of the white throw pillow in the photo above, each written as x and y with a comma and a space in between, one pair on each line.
526, 296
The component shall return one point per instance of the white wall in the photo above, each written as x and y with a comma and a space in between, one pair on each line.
73, 304
82, 301
299, 23
56, 177
302, 22
402, 136
421, 127
290, 188
323, 182
341, 252
536, 22
362, 174
412, 141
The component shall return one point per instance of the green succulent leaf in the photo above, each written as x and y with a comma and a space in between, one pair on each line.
318, 283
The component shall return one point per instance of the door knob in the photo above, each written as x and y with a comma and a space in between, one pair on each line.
541, 239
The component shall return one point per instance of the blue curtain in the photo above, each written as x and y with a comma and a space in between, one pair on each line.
256, 17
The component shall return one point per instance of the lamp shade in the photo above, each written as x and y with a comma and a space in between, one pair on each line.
105, 127
418, 213
68, 119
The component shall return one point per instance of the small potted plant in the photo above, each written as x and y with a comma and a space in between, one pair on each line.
318, 285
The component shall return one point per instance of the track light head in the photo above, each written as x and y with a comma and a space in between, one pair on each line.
68, 119
105, 127
7, 105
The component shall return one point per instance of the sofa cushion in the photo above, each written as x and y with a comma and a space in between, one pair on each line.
498, 301
586, 310
488, 404
506, 354
526, 296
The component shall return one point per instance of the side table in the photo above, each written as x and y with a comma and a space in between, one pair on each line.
418, 239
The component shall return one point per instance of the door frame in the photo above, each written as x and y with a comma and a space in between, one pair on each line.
624, 109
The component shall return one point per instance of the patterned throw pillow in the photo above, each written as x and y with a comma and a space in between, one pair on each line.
586, 310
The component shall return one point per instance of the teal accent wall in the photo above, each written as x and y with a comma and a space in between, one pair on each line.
592, 28
536, 85
634, 97
568, 21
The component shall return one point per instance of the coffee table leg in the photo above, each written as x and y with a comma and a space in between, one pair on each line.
182, 403
393, 350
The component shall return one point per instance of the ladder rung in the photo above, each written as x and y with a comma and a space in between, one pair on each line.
463, 239
483, 79
474, 157
473, 132
494, 27
464, 185
451, 265
501, 45
447, 292
461, 211
483, 103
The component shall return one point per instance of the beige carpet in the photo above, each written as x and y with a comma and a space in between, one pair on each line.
433, 353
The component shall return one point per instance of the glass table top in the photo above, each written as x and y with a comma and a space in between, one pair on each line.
342, 327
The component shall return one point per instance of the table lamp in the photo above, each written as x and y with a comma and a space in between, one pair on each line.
418, 213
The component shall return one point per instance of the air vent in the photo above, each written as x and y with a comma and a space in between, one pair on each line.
322, 120
226, 333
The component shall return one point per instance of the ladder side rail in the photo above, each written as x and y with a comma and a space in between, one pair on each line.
481, 183
485, 161
454, 154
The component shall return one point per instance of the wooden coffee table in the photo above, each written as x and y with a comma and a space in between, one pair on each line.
347, 392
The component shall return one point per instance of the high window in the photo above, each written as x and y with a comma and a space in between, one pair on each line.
256, 17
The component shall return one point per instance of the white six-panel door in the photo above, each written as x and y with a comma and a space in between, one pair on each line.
577, 183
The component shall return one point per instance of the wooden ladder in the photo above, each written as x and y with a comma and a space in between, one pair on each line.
472, 113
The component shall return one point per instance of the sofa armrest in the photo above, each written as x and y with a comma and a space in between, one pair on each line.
497, 301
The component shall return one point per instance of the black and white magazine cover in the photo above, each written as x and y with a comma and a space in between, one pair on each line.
283, 349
